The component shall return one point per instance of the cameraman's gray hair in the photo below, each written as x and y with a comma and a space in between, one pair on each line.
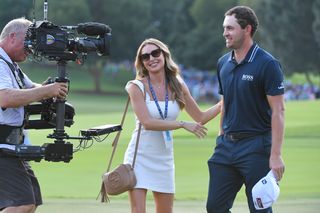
15, 26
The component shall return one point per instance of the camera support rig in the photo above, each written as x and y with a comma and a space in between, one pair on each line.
59, 150
44, 39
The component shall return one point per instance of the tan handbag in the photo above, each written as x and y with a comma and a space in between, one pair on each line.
122, 178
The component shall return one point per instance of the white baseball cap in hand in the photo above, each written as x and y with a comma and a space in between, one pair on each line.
265, 192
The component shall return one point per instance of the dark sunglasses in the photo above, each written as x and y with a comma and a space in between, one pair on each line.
155, 53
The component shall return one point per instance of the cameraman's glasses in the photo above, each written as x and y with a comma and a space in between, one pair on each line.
155, 53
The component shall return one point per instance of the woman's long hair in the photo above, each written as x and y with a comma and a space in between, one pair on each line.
172, 71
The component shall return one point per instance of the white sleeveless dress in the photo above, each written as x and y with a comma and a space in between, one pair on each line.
154, 166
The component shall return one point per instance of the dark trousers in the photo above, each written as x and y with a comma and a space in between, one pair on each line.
233, 164
18, 184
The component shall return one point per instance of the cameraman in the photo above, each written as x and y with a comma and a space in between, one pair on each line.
19, 188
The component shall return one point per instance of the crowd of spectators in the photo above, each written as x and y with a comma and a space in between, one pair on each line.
301, 91
204, 86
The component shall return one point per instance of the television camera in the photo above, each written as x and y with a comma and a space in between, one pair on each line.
61, 44
58, 43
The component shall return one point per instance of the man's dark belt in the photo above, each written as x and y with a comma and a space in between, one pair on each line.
237, 136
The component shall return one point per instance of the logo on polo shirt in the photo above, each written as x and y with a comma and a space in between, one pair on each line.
281, 85
247, 77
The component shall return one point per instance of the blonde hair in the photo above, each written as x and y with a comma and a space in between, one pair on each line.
15, 26
172, 71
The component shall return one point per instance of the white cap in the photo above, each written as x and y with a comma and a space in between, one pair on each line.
265, 192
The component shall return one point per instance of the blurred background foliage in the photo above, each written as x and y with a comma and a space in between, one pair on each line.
289, 29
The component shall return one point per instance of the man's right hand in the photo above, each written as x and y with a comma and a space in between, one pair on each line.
56, 90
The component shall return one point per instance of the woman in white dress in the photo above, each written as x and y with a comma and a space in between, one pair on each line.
157, 96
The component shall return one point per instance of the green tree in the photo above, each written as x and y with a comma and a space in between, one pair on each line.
316, 23
69, 12
171, 22
13, 9
128, 20
316, 27
286, 30
205, 41
182, 24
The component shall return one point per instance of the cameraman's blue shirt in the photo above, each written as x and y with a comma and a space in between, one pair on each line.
10, 116
245, 87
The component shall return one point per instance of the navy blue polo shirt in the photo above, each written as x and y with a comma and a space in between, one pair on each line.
245, 87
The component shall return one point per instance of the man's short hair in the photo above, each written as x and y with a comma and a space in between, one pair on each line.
245, 16
15, 25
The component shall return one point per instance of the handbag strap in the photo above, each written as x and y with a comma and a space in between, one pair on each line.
116, 139
103, 193
136, 148
115, 143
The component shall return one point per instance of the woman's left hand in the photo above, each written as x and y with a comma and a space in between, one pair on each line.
196, 128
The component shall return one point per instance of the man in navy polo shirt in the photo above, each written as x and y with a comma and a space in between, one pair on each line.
252, 116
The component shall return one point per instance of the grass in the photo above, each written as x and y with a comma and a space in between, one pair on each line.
74, 186
185, 206
63, 180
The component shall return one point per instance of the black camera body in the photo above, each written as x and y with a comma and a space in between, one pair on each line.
56, 43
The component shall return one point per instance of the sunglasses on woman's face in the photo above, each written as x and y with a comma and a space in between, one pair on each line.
155, 53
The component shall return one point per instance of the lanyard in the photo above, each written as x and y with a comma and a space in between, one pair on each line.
163, 116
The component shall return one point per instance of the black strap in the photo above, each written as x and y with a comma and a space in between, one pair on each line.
19, 78
14, 67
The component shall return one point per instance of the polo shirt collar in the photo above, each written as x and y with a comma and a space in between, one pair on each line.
250, 55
